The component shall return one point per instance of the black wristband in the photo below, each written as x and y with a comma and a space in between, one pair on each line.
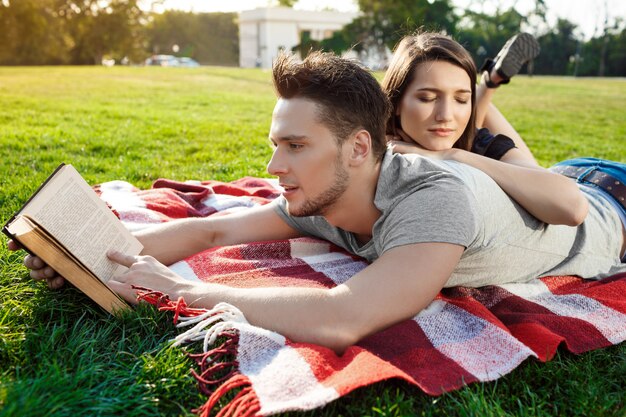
491, 146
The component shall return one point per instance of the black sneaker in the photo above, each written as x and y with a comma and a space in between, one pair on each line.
518, 50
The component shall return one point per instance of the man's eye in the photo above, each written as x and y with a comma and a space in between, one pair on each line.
295, 146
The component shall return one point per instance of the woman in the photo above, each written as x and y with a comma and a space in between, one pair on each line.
431, 85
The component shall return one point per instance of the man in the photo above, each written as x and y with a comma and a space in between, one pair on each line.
422, 224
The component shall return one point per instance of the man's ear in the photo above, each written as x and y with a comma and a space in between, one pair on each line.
361, 147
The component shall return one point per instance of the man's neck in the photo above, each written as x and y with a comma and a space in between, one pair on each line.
355, 212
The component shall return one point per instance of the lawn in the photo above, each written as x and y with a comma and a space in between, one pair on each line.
61, 355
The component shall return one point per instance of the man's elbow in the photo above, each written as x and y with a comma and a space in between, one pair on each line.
339, 335
339, 325
338, 340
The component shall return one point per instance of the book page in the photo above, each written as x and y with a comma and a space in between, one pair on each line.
72, 212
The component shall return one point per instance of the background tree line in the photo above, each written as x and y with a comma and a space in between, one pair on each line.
564, 52
51, 32
83, 32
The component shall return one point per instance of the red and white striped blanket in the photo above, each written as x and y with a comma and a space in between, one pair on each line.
465, 335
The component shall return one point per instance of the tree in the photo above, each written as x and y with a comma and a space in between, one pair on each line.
616, 54
615, 64
69, 31
558, 49
384, 22
32, 33
210, 38
104, 27
483, 35
286, 3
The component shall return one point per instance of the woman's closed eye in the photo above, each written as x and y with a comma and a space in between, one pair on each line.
427, 99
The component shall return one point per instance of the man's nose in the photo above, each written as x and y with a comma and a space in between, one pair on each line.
276, 166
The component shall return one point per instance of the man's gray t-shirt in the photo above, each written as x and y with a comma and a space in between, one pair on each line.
422, 200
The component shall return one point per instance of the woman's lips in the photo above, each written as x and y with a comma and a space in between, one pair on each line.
442, 132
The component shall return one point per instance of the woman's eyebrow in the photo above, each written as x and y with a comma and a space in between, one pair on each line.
437, 90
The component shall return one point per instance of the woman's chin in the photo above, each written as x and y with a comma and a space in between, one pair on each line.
437, 145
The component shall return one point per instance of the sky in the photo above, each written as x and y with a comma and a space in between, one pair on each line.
587, 14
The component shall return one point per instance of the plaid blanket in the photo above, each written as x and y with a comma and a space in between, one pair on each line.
465, 335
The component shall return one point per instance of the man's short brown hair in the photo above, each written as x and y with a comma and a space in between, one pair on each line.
349, 98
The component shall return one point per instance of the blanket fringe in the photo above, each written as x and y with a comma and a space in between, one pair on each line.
213, 362
163, 303
209, 325
245, 403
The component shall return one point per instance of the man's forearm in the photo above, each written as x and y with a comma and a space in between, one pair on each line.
173, 241
395, 287
310, 315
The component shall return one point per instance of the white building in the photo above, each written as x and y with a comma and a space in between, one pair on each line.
264, 32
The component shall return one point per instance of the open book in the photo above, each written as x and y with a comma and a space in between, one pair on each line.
67, 225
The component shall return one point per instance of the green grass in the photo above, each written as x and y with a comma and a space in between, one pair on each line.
60, 355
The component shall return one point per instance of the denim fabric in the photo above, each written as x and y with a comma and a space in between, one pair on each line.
615, 169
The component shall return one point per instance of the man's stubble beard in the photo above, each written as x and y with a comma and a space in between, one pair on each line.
321, 204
